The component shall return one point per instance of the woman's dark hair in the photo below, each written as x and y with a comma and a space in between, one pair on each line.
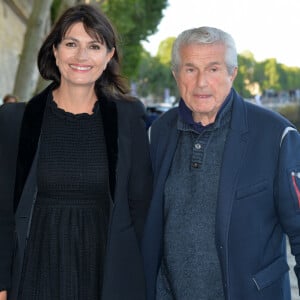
98, 26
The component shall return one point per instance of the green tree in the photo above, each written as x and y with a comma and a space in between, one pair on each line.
271, 75
244, 80
164, 51
292, 113
289, 77
135, 20
153, 77
154, 74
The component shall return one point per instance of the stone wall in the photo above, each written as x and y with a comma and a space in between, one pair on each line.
13, 18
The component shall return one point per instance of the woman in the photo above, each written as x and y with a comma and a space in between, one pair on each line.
83, 175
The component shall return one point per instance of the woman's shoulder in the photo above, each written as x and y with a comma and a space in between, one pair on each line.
131, 105
11, 111
10, 107
11, 115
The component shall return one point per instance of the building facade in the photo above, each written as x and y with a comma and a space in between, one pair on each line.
14, 15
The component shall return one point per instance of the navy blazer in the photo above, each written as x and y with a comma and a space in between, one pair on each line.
130, 183
258, 202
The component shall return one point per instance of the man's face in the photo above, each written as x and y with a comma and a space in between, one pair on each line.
203, 80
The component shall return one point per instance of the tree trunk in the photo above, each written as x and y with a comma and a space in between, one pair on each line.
27, 73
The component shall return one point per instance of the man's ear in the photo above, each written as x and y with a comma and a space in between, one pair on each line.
234, 74
175, 76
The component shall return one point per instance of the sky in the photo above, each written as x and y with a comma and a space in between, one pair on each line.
267, 28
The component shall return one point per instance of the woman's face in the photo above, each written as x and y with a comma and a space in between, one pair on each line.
80, 58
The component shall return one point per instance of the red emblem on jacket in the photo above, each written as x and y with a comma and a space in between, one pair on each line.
295, 176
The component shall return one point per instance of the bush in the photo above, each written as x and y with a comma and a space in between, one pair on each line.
292, 113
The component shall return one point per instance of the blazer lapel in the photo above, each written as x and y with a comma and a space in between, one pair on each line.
162, 154
234, 152
109, 115
29, 137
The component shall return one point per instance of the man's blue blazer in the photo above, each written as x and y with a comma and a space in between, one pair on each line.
258, 202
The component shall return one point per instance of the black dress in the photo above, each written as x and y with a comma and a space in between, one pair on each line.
66, 246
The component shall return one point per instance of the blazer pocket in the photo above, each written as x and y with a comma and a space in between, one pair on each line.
271, 273
250, 190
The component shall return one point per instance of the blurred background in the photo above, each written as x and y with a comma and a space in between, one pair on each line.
147, 28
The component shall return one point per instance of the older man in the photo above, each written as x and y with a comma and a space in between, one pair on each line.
226, 185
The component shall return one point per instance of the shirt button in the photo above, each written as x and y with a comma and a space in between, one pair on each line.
198, 146
195, 165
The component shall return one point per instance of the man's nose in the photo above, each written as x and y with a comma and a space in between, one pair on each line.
201, 79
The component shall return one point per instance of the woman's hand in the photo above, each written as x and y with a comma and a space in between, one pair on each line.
3, 295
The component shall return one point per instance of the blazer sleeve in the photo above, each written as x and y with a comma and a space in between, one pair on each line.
140, 181
288, 194
10, 121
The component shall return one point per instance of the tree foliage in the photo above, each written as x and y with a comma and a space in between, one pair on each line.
244, 80
165, 51
271, 75
135, 20
154, 74
265, 75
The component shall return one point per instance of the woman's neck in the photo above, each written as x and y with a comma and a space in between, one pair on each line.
75, 100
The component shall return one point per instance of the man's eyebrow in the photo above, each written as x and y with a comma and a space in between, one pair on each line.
188, 64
